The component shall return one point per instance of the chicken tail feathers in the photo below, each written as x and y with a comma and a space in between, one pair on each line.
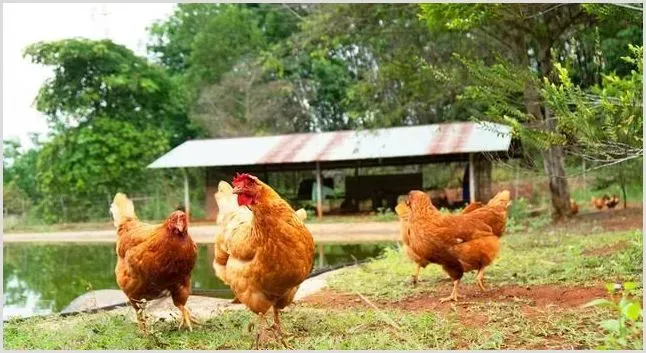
472, 207
501, 200
301, 214
122, 208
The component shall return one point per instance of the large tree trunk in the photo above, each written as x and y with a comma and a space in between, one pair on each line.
553, 162
553, 158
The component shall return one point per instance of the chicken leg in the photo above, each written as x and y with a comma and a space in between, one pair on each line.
278, 329
139, 312
416, 275
259, 329
480, 280
454, 294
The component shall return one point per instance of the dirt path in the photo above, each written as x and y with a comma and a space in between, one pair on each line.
359, 232
534, 297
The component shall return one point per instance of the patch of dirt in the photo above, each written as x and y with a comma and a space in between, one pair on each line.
606, 250
616, 219
330, 299
534, 296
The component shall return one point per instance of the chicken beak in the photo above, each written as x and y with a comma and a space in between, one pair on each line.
237, 190
180, 227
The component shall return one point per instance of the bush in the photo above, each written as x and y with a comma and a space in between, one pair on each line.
624, 331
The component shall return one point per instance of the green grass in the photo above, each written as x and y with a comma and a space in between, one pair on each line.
311, 329
525, 260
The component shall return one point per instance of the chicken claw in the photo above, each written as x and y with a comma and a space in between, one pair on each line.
186, 319
454, 294
259, 331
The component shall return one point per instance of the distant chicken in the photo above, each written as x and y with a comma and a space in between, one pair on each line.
153, 260
264, 256
574, 208
599, 203
612, 202
459, 243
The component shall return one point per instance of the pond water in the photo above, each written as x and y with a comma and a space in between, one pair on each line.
41, 279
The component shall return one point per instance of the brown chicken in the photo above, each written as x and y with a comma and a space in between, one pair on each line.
153, 260
612, 202
574, 208
403, 212
232, 219
599, 203
459, 243
266, 264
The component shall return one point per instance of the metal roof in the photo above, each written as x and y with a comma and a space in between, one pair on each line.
422, 140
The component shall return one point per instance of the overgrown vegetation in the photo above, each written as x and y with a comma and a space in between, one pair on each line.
624, 332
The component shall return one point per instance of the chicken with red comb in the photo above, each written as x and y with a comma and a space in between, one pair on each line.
266, 265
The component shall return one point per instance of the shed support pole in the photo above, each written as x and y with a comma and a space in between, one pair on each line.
321, 255
517, 182
319, 191
585, 186
472, 180
186, 198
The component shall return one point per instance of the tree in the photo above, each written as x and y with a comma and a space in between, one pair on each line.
246, 102
19, 167
214, 49
111, 113
100, 78
604, 125
383, 54
527, 36
80, 170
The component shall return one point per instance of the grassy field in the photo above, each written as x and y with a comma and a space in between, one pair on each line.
537, 288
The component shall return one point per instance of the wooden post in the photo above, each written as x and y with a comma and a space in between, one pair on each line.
319, 191
517, 182
187, 205
472, 179
584, 181
321, 255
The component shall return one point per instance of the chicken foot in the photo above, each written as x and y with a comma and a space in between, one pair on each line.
259, 330
454, 294
186, 318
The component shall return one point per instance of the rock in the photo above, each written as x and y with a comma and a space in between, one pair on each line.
95, 300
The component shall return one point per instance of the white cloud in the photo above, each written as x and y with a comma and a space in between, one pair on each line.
24, 24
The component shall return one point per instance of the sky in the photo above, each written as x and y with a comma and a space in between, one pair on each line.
23, 24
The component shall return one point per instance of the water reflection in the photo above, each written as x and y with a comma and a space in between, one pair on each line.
45, 278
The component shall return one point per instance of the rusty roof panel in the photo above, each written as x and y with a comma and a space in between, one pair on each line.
464, 137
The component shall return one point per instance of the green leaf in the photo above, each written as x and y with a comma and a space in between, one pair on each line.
610, 287
610, 325
632, 311
599, 302
630, 286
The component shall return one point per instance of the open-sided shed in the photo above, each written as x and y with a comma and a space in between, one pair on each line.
451, 142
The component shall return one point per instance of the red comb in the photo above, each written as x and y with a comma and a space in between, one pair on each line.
242, 177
